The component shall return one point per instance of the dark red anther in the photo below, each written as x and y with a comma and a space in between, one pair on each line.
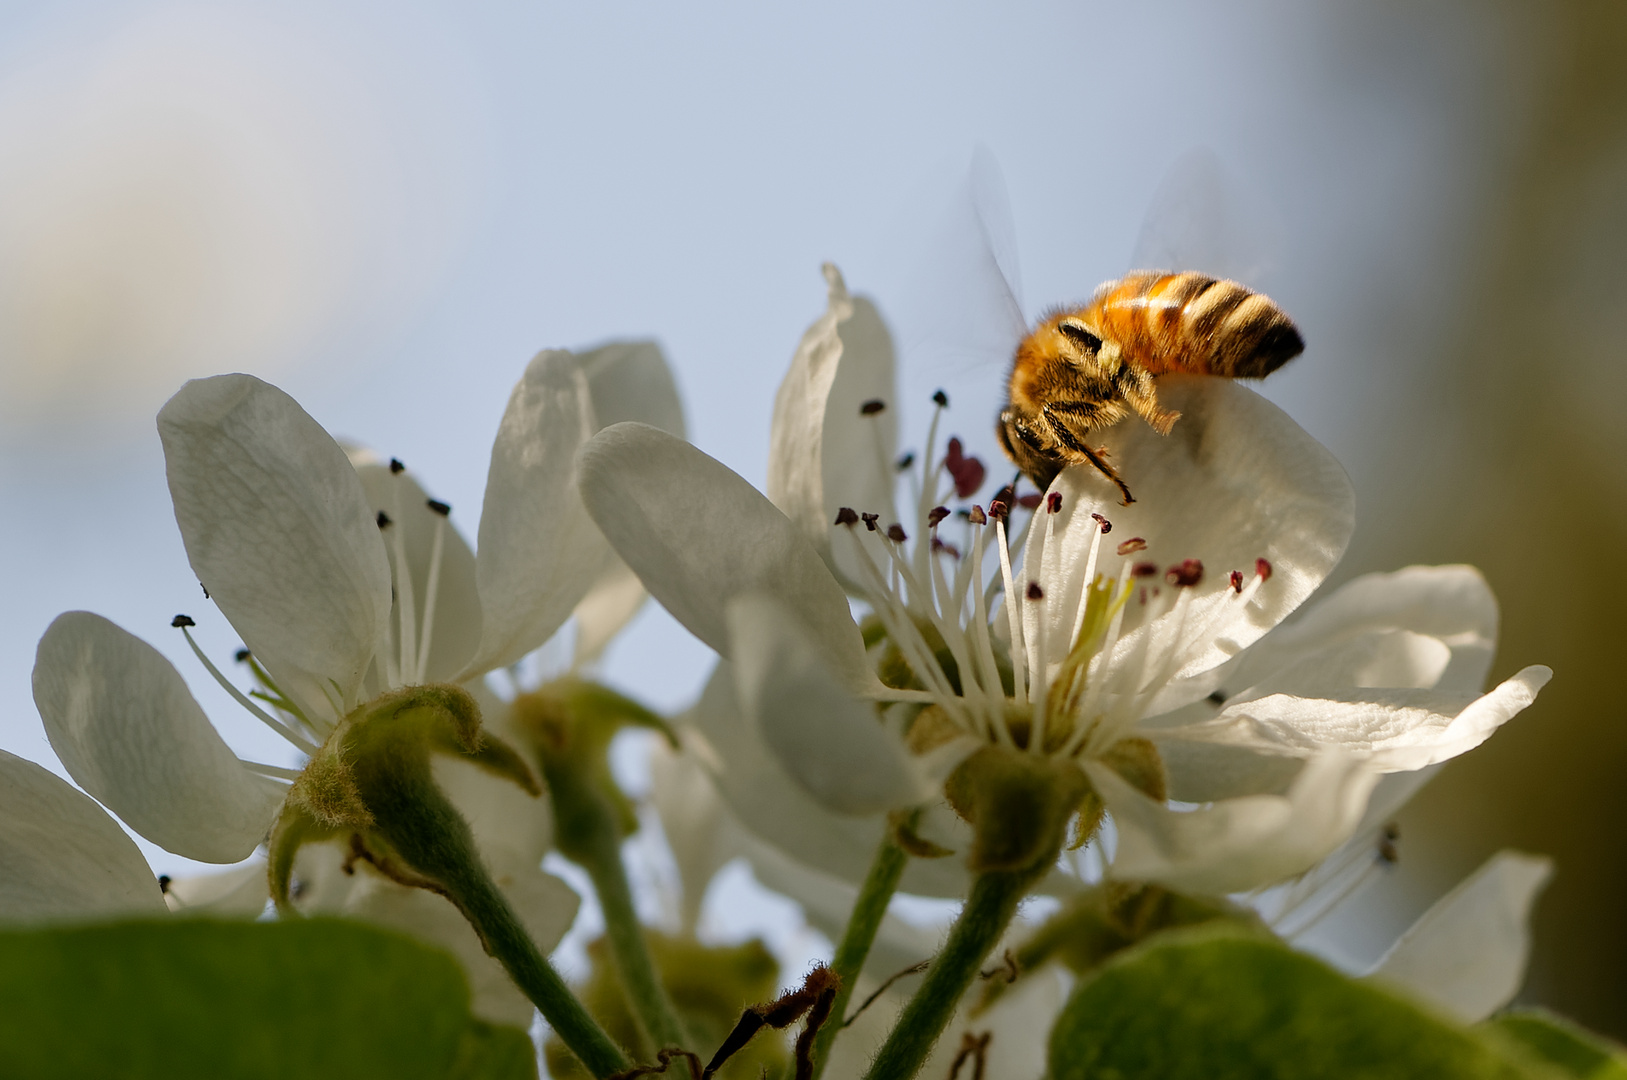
999, 510
396, 466
872, 407
870, 521
1030, 502
1143, 569
1035, 592
1132, 545
1263, 569
436, 506
1107, 526
895, 533
182, 620
976, 515
935, 515
847, 516
939, 545
1007, 495
1053, 503
940, 399
383, 520
1186, 573
967, 472
1237, 581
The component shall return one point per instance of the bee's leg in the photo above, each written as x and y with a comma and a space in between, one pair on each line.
1052, 413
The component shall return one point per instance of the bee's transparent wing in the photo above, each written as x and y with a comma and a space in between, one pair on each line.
969, 313
1202, 218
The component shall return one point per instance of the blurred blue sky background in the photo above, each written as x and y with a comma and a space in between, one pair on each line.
388, 208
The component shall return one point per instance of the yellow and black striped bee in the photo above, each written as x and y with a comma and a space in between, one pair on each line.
1089, 367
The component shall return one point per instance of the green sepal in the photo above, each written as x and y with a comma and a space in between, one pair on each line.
1223, 1003
1018, 805
293, 830
1567, 1046
373, 780
570, 723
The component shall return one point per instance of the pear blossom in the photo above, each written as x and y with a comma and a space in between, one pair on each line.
345, 582
1059, 644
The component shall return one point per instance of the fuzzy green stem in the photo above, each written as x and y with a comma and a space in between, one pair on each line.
988, 911
420, 826
634, 968
483, 905
877, 891
589, 834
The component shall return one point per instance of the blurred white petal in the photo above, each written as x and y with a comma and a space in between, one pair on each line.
539, 552
129, 732
823, 453
698, 535
1467, 953
832, 743
61, 856
1236, 844
239, 893
765, 799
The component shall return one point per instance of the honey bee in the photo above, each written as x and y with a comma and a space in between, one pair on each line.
1089, 367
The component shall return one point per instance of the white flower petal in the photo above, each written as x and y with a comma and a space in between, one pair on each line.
693, 821
1236, 844
631, 380
832, 743
698, 535
823, 452
1235, 480
61, 856
128, 731
767, 801
1452, 604
1393, 729
456, 630
539, 552
610, 605
239, 893
1467, 953
628, 380
278, 530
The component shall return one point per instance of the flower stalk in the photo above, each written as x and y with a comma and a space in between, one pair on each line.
571, 723
373, 781
989, 909
886, 869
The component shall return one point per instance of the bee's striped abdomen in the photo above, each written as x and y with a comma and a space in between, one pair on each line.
1193, 322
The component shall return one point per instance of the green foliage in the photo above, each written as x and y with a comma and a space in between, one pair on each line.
1217, 1004
710, 987
1579, 1053
173, 999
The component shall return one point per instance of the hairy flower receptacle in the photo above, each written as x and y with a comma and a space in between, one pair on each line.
1019, 806
372, 779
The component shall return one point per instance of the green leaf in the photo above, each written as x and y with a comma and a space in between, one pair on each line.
1216, 1004
1578, 1052
177, 998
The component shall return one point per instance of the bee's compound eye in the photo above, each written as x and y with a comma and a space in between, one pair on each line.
1083, 336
